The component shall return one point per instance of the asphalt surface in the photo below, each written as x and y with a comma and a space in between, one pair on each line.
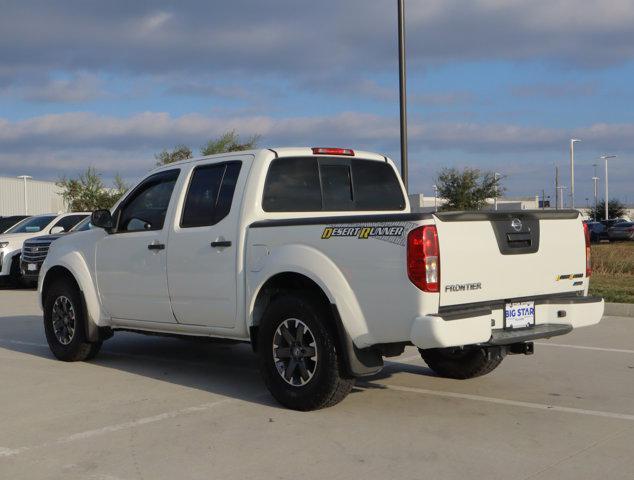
160, 408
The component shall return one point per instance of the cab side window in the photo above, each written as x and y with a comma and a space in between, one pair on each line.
210, 194
146, 207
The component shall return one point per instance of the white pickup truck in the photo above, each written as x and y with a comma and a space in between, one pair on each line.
315, 258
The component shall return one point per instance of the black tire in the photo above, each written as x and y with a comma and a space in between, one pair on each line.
64, 296
15, 276
327, 384
462, 363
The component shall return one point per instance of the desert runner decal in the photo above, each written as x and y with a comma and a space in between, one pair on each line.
363, 232
569, 276
393, 233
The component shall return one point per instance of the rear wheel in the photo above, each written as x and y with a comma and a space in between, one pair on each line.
65, 323
298, 358
462, 363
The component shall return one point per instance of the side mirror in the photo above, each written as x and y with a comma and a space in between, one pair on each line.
102, 219
56, 230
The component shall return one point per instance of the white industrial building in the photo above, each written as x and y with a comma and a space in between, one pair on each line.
19, 196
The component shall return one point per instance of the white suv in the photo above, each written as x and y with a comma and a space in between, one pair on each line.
12, 240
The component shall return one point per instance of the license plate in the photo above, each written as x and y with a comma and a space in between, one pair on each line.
519, 315
32, 267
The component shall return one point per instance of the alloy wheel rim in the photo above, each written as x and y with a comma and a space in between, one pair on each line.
64, 320
295, 352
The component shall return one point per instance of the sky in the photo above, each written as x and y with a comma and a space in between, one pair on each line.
499, 85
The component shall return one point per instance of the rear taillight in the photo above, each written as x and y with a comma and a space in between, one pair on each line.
333, 151
586, 234
423, 258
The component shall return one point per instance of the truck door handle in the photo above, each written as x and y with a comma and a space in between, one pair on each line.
156, 246
221, 243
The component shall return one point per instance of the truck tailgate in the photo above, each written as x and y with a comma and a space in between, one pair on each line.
490, 256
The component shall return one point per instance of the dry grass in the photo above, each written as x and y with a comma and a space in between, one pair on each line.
613, 272
615, 259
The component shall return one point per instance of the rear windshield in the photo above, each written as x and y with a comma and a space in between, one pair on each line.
32, 225
331, 184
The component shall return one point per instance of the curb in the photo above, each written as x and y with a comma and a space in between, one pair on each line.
619, 309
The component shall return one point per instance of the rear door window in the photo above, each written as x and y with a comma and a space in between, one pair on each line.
210, 194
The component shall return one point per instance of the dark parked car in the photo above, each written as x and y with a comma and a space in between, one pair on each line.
598, 231
34, 251
612, 222
621, 231
7, 222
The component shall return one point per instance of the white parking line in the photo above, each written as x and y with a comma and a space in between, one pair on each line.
499, 401
582, 347
8, 452
20, 342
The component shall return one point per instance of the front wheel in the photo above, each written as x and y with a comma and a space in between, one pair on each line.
298, 357
462, 363
65, 323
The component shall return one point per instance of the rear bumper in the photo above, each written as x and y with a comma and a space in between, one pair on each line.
554, 315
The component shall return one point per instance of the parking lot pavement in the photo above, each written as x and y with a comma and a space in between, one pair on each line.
161, 408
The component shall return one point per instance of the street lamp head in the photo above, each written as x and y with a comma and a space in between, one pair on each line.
605, 157
575, 140
25, 177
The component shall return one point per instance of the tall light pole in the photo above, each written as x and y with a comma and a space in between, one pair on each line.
556, 187
435, 198
595, 179
572, 171
605, 157
402, 90
26, 204
596, 195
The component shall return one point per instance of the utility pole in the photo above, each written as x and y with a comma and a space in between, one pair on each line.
402, 91
595, 179
572, 171
606, 157
557, 188
496, 175
435, 198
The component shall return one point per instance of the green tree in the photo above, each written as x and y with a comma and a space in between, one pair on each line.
228, 142
467, 189
615, 210
88, 193
180, 152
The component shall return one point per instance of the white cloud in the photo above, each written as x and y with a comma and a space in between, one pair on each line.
156, 130
153, 21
